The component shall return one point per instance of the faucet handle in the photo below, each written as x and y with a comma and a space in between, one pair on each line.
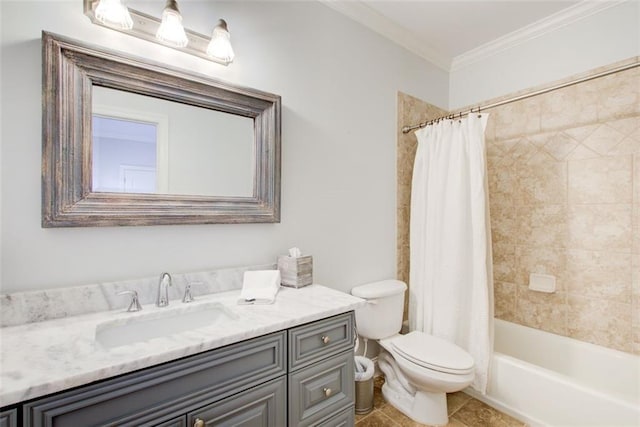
134, 305
188, 296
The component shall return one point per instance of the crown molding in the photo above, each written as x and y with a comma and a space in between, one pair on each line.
370, 18
551, 23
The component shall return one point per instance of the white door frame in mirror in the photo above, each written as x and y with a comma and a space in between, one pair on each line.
161, 121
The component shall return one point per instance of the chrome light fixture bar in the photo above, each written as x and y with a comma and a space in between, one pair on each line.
146, 27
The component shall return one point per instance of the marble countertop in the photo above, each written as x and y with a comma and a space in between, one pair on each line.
40, 358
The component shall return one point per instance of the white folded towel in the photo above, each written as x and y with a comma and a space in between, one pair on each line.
260, 287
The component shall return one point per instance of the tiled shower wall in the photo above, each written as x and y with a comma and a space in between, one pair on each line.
564, 182
564, 190
410, 111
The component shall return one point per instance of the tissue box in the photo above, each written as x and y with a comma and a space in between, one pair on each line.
296, 272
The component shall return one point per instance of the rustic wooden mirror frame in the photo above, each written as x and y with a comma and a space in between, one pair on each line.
70, 69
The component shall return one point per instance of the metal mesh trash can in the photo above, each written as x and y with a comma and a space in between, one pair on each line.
364, 385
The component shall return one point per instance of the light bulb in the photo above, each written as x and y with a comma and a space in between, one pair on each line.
114, 14
220, 44
171, 31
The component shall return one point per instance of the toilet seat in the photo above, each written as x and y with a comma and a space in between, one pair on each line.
433, 353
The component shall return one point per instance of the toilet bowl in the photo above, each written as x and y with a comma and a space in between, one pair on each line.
419, 368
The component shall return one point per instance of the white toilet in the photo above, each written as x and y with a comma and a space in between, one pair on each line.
419, 368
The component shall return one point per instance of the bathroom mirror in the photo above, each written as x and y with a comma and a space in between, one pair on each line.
132, 142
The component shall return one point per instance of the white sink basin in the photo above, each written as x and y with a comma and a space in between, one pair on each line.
161, 323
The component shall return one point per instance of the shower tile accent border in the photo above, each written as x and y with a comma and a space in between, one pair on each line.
564, 190
41, 305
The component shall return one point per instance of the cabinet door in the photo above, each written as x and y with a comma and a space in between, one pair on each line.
262, 406
321, 390
9, 418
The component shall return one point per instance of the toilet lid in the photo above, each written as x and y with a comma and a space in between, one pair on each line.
381, 289
433, 353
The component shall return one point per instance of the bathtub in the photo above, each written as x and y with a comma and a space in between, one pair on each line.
545, 379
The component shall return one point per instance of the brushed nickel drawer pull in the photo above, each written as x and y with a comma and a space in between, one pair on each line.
325, 339
327, 391
198, 423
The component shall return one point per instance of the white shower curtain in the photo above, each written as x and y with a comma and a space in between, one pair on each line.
451, 283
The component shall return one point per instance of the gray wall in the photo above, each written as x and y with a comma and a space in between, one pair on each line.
338, 83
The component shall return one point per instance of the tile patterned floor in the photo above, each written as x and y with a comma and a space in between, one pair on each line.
464, 411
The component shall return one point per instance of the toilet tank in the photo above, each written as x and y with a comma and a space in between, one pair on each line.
382, 316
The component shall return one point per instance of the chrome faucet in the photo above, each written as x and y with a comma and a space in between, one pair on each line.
163, 290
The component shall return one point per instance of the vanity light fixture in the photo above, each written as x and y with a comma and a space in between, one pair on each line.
217, 48
114, 13
171, 31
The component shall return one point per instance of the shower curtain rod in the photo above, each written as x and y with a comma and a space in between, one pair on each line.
478, 109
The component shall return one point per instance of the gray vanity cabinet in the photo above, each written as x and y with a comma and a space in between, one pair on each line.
164, 393
321, 372
299, 377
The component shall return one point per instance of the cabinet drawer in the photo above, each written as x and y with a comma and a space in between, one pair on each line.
320, 390
262, 406
315, 341
164, 391
345, 418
